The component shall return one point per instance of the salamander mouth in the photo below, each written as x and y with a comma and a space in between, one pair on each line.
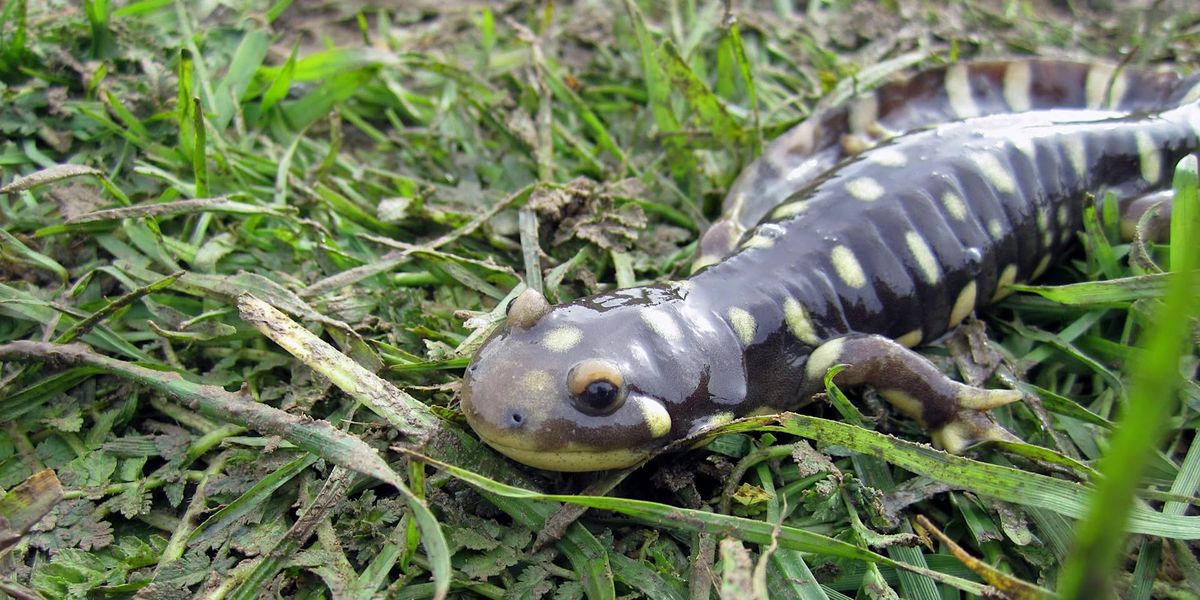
571, 459
624, 439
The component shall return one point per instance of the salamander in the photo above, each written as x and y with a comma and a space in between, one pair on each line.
860, 233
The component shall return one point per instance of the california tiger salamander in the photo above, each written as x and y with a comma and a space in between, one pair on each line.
862, 232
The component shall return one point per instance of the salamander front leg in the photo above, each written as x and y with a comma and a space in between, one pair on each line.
955, 413
718, 242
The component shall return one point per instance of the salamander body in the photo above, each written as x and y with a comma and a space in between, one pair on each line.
862, 232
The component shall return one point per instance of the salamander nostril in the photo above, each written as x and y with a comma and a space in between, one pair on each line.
516, 418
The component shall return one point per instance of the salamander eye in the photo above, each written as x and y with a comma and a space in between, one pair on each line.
596, 387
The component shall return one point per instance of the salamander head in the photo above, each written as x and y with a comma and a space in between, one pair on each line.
599, 383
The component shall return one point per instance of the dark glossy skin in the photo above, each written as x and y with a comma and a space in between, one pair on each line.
822, 141
900, 242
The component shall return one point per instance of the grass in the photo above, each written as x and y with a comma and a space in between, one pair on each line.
240, 244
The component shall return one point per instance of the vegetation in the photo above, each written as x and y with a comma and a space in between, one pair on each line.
248, 248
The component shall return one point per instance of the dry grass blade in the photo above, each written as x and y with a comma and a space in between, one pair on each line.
23, 506
398, 408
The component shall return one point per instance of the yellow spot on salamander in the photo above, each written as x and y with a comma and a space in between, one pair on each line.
763, 411
958, 92
1061, 215
865, 188
655, 416
888, 157
1017, 84
1149, 157
911, 339
955, 206
562, 339
758, 241
995, 229
537, 382
963, 305
863, 112
905, 403
683, 286
797, 173
662, 324
799, 323
1008, 276
1041, 266
1026, 146
878, 131
926, 262
705, 260
744, 324
1043, 219
855, 143
1076, 154
1192, 95
847, 266
995, 172
826, 355
1104, 87
954, 437
706, 423
985, 399
789, 210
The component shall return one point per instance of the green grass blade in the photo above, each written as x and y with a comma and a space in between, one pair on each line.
747, 73
11, 246
789, 577
199, 151
1004, 483
247, 59
281, 82
315, 436
1111, 293
874, 473
14, 52
638, 576
595, 124
251, 499
316, 104
681, 519
140, 8
15, 404
658, 90
277, 9
713, 116
98, 12
1089, 569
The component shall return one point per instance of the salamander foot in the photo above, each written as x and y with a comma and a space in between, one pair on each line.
955, 413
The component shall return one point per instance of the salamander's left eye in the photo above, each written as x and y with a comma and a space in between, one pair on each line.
596, 387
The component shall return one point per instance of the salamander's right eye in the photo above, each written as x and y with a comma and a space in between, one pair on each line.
596, 387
